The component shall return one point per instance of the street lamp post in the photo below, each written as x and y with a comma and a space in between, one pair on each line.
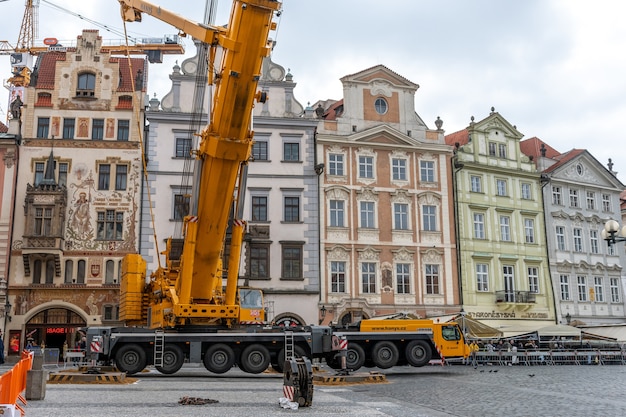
612, 233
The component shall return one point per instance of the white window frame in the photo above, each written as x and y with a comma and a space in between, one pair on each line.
482, 277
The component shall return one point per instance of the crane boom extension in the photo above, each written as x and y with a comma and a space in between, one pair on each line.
191, 292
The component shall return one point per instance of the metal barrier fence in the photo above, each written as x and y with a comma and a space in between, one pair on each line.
552, 357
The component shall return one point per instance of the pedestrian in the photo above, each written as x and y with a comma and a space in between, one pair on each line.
474, 348
1, 348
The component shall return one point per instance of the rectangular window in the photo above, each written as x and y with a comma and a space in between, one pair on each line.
598, 289
291, 152
529, 230
492, 149
556, 196
366, 167
427, 171
259, 208
606, 203
526, 191
292, 262
505, 228
181, 206
482, 277
398, 169
429, 218
110, 225
401, 216
63, 168
123, 130
259, 261
582, 288
573, 198
97, 129
367, 215
335, 164
564, 282
337, 276
403, 278
502, 150
591, 200
259, 150
593, 241
121, 175
476, 184
43, 221
43, 127
292, 209
104, 176
432, 279
336, 213
501, 188
68, 128
368, 278
183, 147
578, 240
533, 279
39, 172
479, 226
560, 237
615, 296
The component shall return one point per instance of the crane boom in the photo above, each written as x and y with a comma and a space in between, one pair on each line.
191, 292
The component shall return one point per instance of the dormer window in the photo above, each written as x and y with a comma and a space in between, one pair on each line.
86, 85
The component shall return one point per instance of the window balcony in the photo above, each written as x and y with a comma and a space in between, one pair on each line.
515, 297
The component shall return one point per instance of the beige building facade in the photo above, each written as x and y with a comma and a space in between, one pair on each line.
387, 237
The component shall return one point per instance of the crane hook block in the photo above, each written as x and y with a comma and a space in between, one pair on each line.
261, 97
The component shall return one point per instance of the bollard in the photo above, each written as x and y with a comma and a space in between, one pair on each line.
36, 379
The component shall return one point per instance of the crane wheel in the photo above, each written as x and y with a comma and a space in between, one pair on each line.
385, 354
255, 359
131, 359
173, 359
418, 353
355, 356
219, 358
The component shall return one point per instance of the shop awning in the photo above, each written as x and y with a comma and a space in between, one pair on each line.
611, 331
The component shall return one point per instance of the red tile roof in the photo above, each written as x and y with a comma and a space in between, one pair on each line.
124, 102
44, 100
47, 69
564, 158
130, 77
532, 147
461, 137
334, 111
3, 128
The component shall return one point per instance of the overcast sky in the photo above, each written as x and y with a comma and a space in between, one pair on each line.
556, 69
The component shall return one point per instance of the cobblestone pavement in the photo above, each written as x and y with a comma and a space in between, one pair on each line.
431, 391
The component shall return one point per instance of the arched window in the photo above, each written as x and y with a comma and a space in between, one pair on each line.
86, 85
37, 271
80, 276
69, 271
110, 272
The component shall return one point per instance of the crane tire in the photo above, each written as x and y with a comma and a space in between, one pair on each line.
355, 356
131, 359
219, 358
418, 353
173, 359
385, 354
255, 359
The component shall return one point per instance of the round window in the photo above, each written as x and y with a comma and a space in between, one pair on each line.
579, 169
380, 105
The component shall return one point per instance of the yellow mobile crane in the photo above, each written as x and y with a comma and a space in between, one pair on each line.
188, 290
183, 314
